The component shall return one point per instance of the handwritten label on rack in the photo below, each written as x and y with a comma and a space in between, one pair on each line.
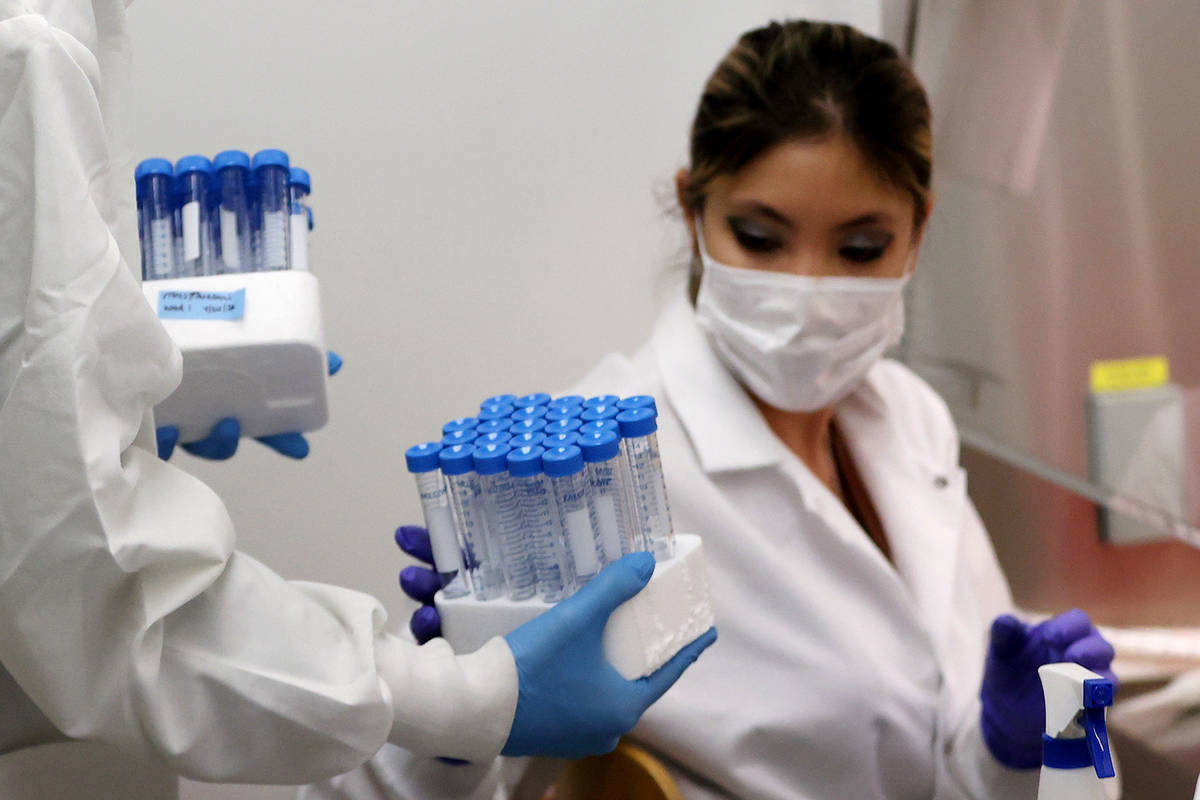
201, 305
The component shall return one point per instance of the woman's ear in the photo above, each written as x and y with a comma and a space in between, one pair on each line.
682, 183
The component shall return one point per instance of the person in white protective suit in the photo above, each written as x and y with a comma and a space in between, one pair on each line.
853, 581
136, 643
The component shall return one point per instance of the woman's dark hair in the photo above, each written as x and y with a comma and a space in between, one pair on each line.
802, 80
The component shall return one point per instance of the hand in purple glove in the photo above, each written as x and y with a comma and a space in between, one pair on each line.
420, 583
222, 442
1014, 709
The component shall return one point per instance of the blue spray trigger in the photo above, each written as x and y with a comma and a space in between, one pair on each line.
1097, 696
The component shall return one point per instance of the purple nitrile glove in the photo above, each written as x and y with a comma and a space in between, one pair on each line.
1014, 708
222, 442
419, 583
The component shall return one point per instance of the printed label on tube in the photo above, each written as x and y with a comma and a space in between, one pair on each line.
229, 240
606, 524
191, 230
583, 546
201, 305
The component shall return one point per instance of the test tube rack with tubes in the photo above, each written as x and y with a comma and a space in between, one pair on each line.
527, 500
224, 246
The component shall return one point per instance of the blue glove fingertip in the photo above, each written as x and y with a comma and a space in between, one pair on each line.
335, 362
168, 437
1009, 635
426, 624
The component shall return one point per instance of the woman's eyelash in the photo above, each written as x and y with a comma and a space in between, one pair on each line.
755, 242
861, 255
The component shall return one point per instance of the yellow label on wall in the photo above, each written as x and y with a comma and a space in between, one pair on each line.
1130, 373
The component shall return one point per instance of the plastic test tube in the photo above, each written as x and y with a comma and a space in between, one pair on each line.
154, 178
637, 401
299, 187
593, 413
460, 424
567, 401
495, 411
481, 556
464, 436
539, 519
640, 445
504, 519
555, 413
193, 176
569, 425
528, 412
422, 461
530, 439
499, 400
492, 426
493, 437
530, 425
535, 399
599, 425
559, 440
564, 466
607, 498
601, 400
233, 214
271, 169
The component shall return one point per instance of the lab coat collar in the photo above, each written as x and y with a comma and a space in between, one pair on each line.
721, 421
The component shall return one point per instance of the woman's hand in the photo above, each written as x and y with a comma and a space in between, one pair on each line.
1014, 708
420, 583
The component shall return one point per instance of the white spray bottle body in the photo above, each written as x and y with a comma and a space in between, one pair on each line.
1076, 756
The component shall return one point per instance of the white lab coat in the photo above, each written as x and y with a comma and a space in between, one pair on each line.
127, 617
837, 674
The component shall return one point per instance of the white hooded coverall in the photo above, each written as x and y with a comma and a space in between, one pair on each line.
132, 633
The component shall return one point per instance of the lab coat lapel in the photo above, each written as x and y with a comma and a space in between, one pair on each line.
920, 507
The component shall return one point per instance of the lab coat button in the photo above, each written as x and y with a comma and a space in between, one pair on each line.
941, 482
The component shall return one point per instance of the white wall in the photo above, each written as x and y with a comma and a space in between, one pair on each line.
490, 196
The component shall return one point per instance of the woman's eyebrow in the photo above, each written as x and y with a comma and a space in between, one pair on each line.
874, 218
767, 211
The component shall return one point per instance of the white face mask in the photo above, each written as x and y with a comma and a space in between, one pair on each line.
798, 343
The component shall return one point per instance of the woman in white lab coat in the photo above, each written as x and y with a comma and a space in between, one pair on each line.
136, 642
854, 583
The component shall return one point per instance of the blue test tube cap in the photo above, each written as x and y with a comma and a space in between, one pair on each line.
493, 426
422, 457
593, 413
270, 158
189, 164
562, 412
535, 399
499, 400
491, 458
560, 440
568, 400
531, 425
300, 177
153, 166
525, 461
601, 400
527, 412
637, 422
460, 424
495, 411
637, 401
600, 425
559, 462
464, 436
231, 158
497, 437
599, 446
526, 439
458, 459
569, 425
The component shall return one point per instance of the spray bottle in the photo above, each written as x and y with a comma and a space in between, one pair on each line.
1075, 753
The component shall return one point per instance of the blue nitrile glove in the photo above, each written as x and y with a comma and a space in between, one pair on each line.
419, 583
572, 703
1014, 708
222, 443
